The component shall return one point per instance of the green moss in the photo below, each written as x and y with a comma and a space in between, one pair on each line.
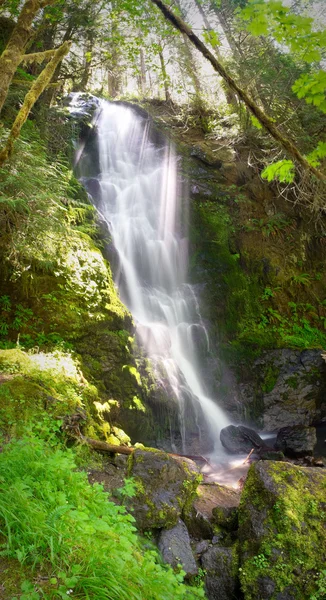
36, 387
292, 382
290, 549
270, 378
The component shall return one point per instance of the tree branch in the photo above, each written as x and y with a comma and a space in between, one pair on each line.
31, 97
268, 124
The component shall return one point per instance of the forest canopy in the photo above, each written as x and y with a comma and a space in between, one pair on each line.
247, 64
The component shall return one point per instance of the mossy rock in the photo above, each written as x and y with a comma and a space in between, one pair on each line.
42, 387
165, 486
215, 507
282, 531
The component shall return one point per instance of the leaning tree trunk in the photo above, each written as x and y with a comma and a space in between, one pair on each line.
15, 48
31, 97
266, 121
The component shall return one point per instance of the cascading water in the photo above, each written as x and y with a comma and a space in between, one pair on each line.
140, 203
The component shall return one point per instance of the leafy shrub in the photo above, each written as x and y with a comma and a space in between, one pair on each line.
52, 519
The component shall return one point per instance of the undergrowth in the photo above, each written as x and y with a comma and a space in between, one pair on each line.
83, 545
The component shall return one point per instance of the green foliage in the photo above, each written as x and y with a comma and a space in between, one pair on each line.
302, 279
273, 225
296, 31
312, 87
306, 47
320, 594
51, 518
41, 387
260, 561
314, 158
283, 171
212, 38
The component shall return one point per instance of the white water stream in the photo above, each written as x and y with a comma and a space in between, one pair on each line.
140, 202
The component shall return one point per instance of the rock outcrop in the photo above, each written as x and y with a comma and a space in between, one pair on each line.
296, 441
165, 486
282, 531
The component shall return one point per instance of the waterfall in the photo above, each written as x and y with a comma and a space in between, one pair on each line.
140, 201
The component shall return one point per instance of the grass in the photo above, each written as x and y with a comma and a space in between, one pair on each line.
55, 522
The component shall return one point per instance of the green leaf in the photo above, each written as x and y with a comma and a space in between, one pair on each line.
282, 171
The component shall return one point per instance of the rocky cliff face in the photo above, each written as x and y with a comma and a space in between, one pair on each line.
258, 263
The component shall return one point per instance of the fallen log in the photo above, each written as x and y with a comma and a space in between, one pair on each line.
100, 446
109, 448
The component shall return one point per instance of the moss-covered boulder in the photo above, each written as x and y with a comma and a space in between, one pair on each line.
214, 510
49, 389
165, 487
282, 531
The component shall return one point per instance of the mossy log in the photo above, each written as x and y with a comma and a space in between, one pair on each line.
100, 446
31, 97
266, 121
108, 448
11, 56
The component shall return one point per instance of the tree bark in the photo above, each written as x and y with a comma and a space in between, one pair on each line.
31, 97
142, 76
18, 40
262, 117
165, 77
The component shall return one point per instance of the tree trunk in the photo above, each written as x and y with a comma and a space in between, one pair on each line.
19, 38
190, 63
31, 97
266, 122
165, 77
142, 77
222, 14
229, 94
47, 98
82, 84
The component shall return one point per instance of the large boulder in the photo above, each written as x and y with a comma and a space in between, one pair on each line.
240, 439
296, 441
221, 566
165, 486
282, 388
174, 545
282, 531
215, 507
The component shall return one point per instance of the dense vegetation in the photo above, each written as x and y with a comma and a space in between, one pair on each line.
66, 341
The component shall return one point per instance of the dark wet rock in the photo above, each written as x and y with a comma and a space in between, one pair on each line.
296, 441
271, 455
226, 517
220, 565
266, 587
282, 532
241, 439
199, 154
283, 388
174, 545
165, 486
214, 505
93, 187
201, 547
